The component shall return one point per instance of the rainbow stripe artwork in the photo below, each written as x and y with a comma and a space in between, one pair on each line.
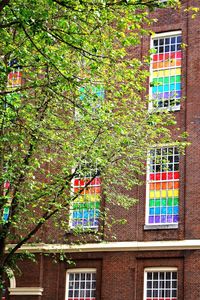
165, 86
86, 207
15, 78
6, 209
163, 186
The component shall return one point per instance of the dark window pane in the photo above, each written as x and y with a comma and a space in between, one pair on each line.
167, 41
166, 48
179, 39
149, 294
173, 47
155, 275
161, 49
155, 42
161, 42
149, 276
173, 40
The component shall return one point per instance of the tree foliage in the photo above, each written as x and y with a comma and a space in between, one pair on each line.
54, 121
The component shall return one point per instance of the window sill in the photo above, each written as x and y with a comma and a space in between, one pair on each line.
76, 231
164, 109
160, 227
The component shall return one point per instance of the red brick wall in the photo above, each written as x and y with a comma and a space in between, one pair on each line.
120, 275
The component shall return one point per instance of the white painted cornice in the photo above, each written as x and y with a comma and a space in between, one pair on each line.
112, 246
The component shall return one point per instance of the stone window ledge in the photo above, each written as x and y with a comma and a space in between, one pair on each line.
159, 227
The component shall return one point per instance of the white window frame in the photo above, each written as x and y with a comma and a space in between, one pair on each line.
157, 269
147, 198
150, 106
76, 270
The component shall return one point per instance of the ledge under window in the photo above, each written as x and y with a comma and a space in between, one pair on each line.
164, 109
159, 227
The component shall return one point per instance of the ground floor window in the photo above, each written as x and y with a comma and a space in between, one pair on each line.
160, 284
81, 284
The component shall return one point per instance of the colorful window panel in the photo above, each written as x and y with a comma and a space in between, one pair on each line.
81, 285
163, 186
92, 96
92, 91
6, 209
161, 285
15, 78
165, 86
91, 100
86, 207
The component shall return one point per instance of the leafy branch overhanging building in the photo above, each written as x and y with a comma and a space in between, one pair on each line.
157, 252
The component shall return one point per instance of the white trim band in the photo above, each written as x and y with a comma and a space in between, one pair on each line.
112, 246
82, 270
26, 291
167, 33
159, 269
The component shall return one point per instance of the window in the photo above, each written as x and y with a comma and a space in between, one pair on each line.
6, 209
15, 78
81, 284
91, 98
14, 82
92, 92
165, 79
86, 207
163, 186
160, 284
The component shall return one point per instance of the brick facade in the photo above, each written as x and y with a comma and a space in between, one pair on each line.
120, 275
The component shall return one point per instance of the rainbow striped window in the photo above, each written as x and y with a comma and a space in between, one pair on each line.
165, 79
163, 186
85, 209
160, 284
15, 78
6, 209
81, 284
92, 92
91, 97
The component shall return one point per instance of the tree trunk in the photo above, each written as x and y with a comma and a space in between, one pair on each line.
2, 276
2, 267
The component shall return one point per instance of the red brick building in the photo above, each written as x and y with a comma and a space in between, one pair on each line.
156, 255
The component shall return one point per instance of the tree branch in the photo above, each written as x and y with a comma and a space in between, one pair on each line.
24, 88
75, 47
6, 25
47, 215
